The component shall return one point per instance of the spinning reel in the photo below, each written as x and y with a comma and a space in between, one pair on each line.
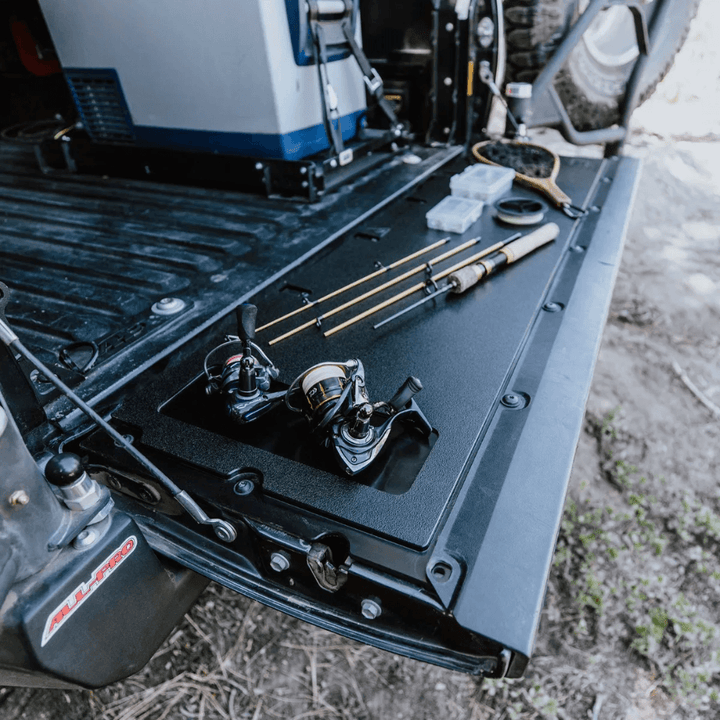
245, 378
334, 399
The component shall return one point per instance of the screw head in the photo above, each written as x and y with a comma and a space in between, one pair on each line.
279, 561
552, 307
449, 27
370, 609
85, 538
168, 306
244, 487
225, 531
258, 166
512, 400
19, 497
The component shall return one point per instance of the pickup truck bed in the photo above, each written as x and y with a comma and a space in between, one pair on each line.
87, 258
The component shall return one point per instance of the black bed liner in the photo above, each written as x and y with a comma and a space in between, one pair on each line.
87, 257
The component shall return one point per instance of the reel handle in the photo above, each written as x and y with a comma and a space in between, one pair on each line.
411, 387
246, 320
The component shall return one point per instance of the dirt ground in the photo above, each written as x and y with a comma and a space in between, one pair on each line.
631, 628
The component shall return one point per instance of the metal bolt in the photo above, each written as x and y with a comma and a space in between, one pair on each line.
225, 532
449, 27
303, 170
168, 306
448, 81
333, 163
85, 539
512, 400
258, 166
371, 609
279, 561
446, 130
19, 497
244, 487
552, 307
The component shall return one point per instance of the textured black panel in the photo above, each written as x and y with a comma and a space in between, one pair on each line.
463, 349
86, 258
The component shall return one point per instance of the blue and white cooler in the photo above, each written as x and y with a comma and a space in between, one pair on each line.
228, 76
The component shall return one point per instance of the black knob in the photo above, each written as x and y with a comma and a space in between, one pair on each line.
411, 387
246, 317
64, 469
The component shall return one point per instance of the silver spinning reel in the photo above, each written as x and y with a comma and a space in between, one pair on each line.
334, 399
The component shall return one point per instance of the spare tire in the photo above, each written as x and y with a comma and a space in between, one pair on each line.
593, 80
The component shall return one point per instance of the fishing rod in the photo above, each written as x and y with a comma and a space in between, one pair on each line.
504, 252
420, 286
350, 286
378, 289
469, 276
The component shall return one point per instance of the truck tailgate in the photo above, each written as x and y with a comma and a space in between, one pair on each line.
506, 369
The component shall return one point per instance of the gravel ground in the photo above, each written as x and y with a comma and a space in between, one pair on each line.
631, 627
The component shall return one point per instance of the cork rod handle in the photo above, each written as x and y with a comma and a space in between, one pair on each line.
519, 248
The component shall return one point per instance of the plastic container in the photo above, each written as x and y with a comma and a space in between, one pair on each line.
482, 182
454, 214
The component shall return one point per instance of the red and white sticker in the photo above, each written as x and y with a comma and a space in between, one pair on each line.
82, 592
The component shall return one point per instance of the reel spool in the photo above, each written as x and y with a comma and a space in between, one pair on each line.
520, 211
322, 385
322, 392
333, 397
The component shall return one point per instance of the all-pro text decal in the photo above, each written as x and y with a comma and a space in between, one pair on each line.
82, 592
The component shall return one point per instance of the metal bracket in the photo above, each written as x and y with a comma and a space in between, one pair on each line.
543, 82
328, 576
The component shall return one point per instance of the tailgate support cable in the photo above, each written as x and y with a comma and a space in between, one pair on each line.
223, 529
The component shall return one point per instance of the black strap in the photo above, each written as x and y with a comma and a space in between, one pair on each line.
372, 79
327, 93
